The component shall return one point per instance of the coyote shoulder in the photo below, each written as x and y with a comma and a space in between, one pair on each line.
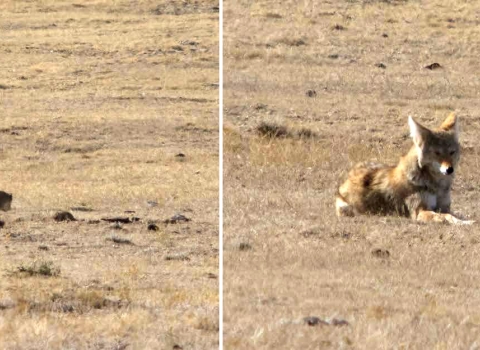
417, 187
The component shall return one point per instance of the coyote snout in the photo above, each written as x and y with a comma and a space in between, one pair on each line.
419, 186
446, 168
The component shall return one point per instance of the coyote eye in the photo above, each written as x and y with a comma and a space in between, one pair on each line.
452, 153
438, 153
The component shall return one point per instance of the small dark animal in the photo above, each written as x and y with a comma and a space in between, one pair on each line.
5, 201
64, 216
433, 66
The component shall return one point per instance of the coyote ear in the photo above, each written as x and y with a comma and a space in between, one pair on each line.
417, 132
451, 124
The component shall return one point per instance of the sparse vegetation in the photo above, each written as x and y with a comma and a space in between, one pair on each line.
397, 284
273, 130
119, 240
178, 257
42, 268
95, 99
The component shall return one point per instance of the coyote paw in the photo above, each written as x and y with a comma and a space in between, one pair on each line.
466, 222
458, 221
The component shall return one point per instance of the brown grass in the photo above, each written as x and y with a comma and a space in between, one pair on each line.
97, 99
301, 260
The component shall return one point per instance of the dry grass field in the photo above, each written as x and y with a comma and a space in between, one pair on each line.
98, 98
396, 283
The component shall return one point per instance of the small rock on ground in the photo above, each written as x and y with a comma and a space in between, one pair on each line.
339, 322
433, 66
152, 227
152, 204
64, 216
311, 93
381, 253
314, 321
123, 220
176, 219
244, 246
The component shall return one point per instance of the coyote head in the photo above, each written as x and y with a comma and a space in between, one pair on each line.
437, 149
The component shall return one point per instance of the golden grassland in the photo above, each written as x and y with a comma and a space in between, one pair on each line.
97, 99
398, 284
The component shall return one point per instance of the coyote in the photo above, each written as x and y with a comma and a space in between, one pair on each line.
418, 187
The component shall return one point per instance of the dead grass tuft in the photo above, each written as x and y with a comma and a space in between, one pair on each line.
291, 41
38, 268
92, 298
119, 240
206, 323
273, 130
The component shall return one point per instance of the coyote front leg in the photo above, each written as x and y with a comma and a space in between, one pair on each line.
428, 215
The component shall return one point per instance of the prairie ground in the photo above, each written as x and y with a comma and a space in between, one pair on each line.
340, 78
109, 109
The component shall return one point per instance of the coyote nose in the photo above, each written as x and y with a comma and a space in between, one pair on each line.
449, 170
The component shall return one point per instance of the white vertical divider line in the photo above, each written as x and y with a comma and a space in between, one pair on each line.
220, 170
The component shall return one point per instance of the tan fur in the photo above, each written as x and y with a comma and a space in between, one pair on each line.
418, 187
